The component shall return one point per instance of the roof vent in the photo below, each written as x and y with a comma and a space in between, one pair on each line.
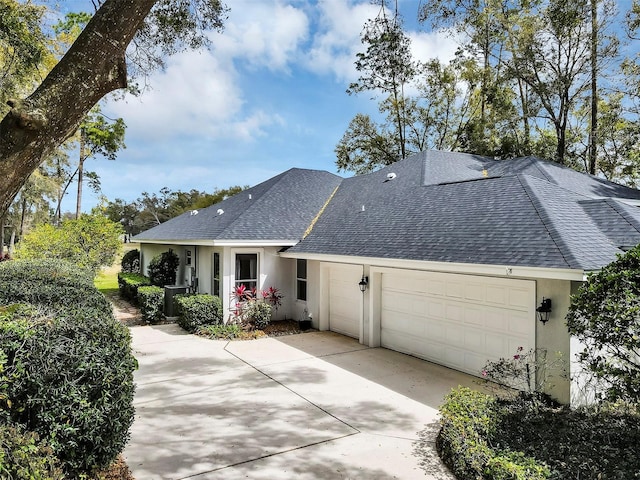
220, 211
193, 212
391, 176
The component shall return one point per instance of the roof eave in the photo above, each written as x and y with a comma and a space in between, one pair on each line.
451, 267
221, 243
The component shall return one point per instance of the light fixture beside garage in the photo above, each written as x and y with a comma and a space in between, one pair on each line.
363, 283
544, 310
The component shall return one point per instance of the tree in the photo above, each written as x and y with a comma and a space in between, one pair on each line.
94, 66
604, 316
89, 242
23, 48
386, 66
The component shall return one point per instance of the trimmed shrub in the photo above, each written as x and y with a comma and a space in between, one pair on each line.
151, 301
130, 262
52, 283
198, 310
68, 376
469, 421
257, 313
128, 284
24, 456
163, 268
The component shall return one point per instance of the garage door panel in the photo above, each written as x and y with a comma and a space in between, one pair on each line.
454, 289
455, 312
460, 321
474, 292
519, 298
474, 316
496, 295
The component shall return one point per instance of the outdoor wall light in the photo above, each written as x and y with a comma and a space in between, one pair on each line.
363, 283
544, 310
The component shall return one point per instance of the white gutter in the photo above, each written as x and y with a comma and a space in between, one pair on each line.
463, 268
223, 243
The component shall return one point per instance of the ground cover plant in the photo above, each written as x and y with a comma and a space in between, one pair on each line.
66, 368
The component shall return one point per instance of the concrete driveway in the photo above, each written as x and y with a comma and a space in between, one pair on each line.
311, 406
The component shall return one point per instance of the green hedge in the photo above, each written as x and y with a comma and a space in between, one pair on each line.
24, 456
128, 284
66, 367
54, 283
195, 311
469, 420
69, 378
151, 301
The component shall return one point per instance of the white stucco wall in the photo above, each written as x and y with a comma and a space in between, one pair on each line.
150, 250
553, 337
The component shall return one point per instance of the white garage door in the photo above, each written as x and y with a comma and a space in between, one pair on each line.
345, 299
460, 321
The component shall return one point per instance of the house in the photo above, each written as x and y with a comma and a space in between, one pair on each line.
454, 251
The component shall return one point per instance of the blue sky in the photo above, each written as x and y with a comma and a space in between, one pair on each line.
268, 96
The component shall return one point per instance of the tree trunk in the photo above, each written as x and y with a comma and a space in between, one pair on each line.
12, 242
80, 173
3, 219
93, 66
593, 127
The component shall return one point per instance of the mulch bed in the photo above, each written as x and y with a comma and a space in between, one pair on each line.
117, 471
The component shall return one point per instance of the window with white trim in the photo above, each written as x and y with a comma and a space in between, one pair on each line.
301, 279
247, 270
216, 275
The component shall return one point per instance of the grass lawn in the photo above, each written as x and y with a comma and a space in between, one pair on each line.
107, 280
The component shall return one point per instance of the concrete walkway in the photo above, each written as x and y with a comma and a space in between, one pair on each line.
310, 406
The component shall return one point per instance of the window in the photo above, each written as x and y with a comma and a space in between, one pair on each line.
247, 270
216, 275
301, 279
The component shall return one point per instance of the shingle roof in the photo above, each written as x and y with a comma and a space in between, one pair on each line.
443, 207
280, 208
440, 206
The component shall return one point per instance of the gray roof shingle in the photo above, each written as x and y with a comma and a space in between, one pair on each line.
280, 208
442, 207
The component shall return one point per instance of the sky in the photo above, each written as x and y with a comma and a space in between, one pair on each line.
268, 95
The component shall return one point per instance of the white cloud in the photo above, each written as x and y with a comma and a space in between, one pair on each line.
436, 44
266, 34
337, 39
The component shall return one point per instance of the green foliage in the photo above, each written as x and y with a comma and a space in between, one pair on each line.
469, 420
130, 262
70, 379
257, 313
163, 268
530, 437
89, 242
24, 456
604, 316
151, 301
196, 311
23, 48
128, 284
221, 331
54, 284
